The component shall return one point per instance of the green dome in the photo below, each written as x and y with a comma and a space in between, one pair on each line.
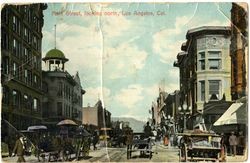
55, 53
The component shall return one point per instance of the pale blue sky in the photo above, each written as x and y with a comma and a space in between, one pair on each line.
129, 57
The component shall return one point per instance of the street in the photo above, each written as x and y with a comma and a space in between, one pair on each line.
161, 154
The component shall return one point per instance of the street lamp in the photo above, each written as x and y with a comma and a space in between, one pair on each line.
184, 110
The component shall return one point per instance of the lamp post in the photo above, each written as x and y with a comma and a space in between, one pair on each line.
183, 109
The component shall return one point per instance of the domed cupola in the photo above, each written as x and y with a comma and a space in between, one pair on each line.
54, 60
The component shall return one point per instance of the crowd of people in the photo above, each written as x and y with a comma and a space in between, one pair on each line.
45, 142
233, 144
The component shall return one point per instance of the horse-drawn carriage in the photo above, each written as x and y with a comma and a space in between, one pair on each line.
140, 144
199, 146
72, 142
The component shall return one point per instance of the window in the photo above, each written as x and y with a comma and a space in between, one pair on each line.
5, 65
15, 47
28, 16
25, 8
44, 87
35, 20
16, 25
35, 42
5, 98
29, 77
35, 80
26, 76
38, 82
214, 60
214, 54
214, 88
38, 63
214, 64
202, 85
25, 101
202, 62
16, 98
33, 61
60, 89
25, 53
4, 40
4, 15
59, 109
36, 23
14, 69
35, 104
26, 34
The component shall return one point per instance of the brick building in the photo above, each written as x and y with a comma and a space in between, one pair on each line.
96, 116
239, 50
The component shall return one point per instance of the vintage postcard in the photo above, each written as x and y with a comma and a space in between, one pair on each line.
124, 82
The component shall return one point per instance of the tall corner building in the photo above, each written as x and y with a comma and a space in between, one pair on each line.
21, 70
205, 66
62, 92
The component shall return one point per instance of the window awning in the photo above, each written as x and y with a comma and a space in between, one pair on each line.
235, 114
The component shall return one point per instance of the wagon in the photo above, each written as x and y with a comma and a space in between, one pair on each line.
144, 146
199, 147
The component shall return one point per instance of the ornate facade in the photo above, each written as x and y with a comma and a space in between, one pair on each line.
205, 67
62, 91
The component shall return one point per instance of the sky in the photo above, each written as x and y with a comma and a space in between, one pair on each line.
122, 56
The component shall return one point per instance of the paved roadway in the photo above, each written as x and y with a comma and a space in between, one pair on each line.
161, 154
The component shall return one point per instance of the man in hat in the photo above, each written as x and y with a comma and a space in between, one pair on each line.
19, 149
233, 143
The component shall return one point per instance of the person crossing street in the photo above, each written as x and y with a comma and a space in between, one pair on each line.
19, 149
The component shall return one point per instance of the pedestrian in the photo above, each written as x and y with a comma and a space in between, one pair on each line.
19, 149
241, 143
223, 148
129, 141
171, 139
233, 144
147, 131
95, 140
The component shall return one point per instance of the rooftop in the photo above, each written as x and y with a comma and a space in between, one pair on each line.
55, 54
208, 30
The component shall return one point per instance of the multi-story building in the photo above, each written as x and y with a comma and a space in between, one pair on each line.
172, 104
239, 50
205, 67
170, 110
21, 71
62, 91
158, 113
96, 116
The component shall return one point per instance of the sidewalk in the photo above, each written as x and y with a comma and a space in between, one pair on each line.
237, 158
14, 159
92, 153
